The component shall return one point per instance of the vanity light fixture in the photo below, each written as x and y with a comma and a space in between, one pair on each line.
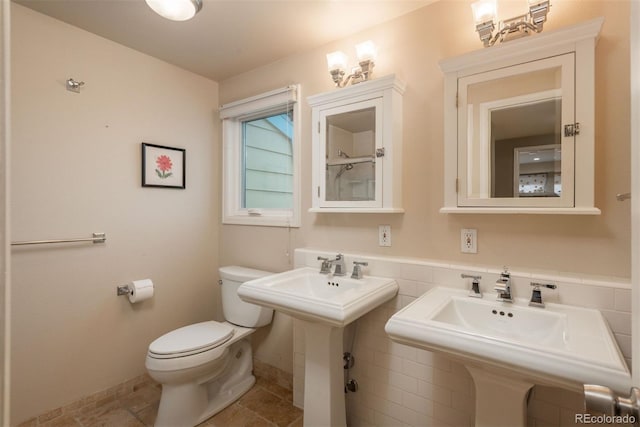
337, 63
175, 10
485, 12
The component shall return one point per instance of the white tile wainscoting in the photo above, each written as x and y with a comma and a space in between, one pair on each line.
404, 386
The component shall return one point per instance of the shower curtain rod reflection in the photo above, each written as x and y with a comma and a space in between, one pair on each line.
97, 238
351, 160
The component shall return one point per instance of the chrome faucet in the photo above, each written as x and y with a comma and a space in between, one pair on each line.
536, 294
475, 285
357, 269
503, 287
338, 261
339, 265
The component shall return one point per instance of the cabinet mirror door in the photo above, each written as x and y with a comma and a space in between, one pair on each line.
352, 134
515, 135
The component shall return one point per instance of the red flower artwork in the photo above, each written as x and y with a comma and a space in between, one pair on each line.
164, 166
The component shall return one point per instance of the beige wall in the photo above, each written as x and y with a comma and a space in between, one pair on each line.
76, 167
411, 47
76, 170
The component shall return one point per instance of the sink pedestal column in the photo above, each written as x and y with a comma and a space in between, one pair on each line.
501, 400
324, 402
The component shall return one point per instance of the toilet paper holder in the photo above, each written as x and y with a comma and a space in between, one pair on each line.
124, 290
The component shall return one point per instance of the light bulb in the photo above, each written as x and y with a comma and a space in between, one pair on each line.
337, 61
484, 11
366, 51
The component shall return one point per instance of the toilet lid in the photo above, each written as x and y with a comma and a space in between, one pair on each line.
192, 339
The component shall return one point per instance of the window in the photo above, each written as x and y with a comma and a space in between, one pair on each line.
261, 184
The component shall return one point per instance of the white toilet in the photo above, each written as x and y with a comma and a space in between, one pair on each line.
205, 367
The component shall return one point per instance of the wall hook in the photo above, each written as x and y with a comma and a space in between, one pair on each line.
74, 85
623, 196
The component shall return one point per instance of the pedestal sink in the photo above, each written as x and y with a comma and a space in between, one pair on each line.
509, 347
325, 304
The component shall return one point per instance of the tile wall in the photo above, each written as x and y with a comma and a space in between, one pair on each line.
402, 385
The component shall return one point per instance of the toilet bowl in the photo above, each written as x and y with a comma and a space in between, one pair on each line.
205, 367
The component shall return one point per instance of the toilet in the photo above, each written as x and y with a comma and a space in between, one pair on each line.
205, 367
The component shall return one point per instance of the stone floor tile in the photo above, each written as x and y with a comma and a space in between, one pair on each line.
270, 406
267, 404
284, 393
141, 398
147, 416
63, 421
110, 416
236, 416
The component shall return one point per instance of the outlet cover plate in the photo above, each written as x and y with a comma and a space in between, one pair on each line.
469, 241
384, 235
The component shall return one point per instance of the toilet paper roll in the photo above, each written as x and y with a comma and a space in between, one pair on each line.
140, 290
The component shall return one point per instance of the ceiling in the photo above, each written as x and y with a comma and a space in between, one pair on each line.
227, 37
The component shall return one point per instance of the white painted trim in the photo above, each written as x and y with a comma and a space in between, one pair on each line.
264, 101
516, 210
526, 46
356, 210
364, 89
232, 212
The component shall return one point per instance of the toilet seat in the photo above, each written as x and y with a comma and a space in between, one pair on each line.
189, 340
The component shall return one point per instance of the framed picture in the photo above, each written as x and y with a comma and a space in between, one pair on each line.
163, 166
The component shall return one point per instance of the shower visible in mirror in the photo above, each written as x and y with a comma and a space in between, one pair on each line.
350, 172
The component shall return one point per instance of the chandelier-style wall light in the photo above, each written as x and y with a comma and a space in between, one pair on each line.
485, 11
176, 10
337, 63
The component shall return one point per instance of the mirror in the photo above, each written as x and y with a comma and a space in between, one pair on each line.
526, 149
511, 141
350, 160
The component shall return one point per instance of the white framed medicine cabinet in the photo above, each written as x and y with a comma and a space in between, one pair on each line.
519, 125
357, 148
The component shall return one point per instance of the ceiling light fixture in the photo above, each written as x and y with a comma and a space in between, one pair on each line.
337, 63
485, 11
175, 10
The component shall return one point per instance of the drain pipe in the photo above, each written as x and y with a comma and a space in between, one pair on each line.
350, 385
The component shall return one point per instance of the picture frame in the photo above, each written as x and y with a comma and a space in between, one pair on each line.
163, 167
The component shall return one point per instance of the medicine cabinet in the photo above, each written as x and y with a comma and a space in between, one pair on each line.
357, 148
519, 125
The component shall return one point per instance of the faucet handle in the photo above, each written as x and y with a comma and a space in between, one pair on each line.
357, 269
475, 285
543, 285
325, 268
536, 294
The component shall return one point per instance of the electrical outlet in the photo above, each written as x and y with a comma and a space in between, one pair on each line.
384, 235
469, 240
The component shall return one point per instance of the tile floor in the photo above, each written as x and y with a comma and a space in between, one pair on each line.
265, 405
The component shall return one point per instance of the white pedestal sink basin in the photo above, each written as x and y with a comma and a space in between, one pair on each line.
324, 304
509, 347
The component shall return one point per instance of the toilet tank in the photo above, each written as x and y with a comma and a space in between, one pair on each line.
235, 310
